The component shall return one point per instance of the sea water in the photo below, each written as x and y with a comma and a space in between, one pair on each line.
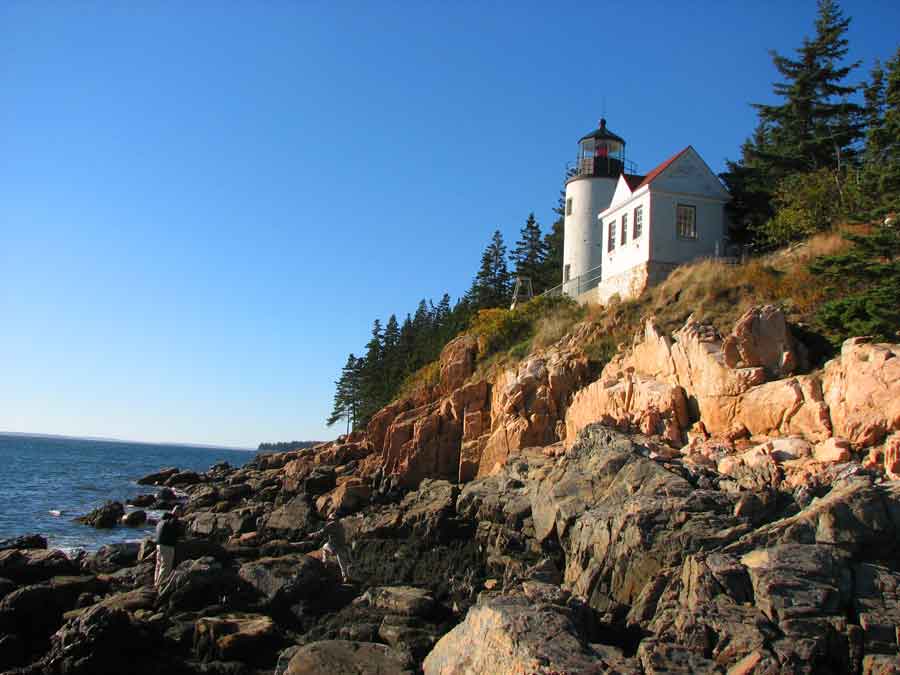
47, 482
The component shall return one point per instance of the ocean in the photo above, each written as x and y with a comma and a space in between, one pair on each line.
46, 482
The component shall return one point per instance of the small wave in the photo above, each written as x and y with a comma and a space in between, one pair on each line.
56, 513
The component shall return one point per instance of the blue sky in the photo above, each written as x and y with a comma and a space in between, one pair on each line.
203, 206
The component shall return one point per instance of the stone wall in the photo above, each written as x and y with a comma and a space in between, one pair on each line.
633, 282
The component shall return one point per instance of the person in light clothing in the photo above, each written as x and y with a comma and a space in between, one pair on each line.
335, 545
167, 531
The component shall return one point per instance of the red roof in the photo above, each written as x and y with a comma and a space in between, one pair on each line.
633, 180
650, 177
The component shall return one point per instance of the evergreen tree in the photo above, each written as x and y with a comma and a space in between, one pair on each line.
552, 267
881, 172
866, 281
491, 286
530, 251
751, 184
815, 126
347, 393
393, 358
372, 383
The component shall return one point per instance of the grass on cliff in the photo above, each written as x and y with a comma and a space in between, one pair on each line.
714, 291
507, 336
719, 293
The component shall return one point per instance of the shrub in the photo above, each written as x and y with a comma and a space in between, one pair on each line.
864, 283
428, 375
806, 203
499, 329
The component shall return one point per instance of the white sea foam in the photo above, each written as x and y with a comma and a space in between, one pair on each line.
56, 513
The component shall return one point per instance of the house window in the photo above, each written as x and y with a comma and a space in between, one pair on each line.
566, 270
569, 206
611, 243
686, 221
638, 221
624, 228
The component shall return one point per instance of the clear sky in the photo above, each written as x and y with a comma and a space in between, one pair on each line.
203, 206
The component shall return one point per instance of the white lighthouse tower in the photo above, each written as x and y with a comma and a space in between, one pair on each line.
601, 160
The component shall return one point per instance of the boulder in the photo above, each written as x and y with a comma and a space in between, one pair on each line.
426, 510
141, 501
343, 657
104, 517
183, 478
224, 525
891, 454
195, 584
862, 391
112, 557
292, 520
630, 403
35, 565
622, 517
832, 450
510, 635
158, 478
134, 518
26, 541
528, 404
101, 641
36, 610
293, 582
761, 337
250, 638
348, 497
166, 495
320, 480
405, 600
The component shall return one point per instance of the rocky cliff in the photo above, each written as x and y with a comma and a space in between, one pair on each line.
704, 503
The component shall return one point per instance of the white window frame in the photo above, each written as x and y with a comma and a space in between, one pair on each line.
686, 221
569, 206
611, 237
624, 229
638, 222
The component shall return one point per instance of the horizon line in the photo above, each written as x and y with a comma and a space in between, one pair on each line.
107, 439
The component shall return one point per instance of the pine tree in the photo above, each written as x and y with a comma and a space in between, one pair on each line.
881, 171
491, 286
346, 395
530, 251
751, 182
393, 359
814, 129
552, 267
372, 384
815, 126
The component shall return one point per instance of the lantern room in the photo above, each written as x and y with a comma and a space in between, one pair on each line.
601, 153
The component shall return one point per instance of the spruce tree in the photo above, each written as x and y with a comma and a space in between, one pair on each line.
491, 286
552, 267
815, 126
881, 171
530, 251
372, 384
346, 395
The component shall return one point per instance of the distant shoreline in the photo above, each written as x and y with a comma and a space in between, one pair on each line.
23, 434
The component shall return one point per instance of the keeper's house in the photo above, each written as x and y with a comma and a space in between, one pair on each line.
625, 232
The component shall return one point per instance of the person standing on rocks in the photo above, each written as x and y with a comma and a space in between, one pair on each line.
167, 532
335, 545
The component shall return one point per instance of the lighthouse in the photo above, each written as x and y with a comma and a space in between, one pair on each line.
600, 162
